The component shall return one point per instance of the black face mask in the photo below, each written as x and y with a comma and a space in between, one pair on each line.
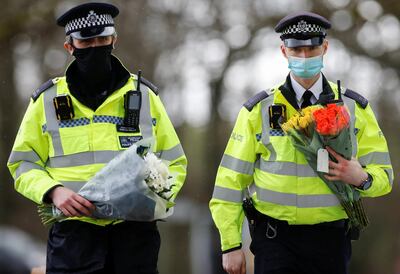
94, 65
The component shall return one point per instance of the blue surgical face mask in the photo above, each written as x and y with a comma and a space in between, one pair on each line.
305, 67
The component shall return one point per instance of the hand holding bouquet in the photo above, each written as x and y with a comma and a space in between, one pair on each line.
135, 185
318, 127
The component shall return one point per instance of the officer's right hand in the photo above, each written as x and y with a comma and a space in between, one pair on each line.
70, 203
234, 262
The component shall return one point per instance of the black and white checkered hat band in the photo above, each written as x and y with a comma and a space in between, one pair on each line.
303, 27
92, 20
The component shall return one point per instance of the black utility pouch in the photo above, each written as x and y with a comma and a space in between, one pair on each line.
354, 233
251, 214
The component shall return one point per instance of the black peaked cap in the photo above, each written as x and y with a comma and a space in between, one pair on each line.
309, 17
84, 9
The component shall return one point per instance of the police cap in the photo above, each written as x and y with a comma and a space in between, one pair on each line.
89, 20
301, 29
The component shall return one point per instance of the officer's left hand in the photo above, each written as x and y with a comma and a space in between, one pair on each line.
347, 171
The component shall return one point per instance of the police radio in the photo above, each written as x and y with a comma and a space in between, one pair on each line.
329, 98
132, 104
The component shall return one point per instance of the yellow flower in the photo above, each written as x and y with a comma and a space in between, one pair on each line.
304, 122
285, 127
292, 123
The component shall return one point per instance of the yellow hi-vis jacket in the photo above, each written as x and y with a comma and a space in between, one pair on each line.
286, 187
48, 152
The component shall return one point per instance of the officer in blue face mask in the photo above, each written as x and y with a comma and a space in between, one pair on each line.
297, 225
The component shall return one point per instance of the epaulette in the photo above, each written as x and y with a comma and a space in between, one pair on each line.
149, 84
361, 100
41, 89
255, 100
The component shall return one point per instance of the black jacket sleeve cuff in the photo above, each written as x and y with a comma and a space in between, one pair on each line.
232, 249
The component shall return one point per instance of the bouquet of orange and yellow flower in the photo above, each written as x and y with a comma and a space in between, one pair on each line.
317, 127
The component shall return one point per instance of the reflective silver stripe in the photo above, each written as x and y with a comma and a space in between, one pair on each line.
237, 165
146, 125
25, 167
286, 168
29, 156
51, 120
171, 154
301, 201
271, 149
351, 105
75, 186
389, 173
83, 158
380, 158
265, 126
227, 194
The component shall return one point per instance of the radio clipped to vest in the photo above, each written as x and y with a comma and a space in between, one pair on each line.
132, 105
63, 106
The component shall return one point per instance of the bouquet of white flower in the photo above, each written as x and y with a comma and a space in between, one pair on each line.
135, 186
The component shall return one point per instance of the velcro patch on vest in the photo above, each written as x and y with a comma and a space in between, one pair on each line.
127, 141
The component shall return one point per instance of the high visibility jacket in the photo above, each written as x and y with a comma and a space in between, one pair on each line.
286, 187
48, 152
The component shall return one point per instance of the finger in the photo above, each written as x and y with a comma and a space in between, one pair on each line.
332, 177
334, 154
86, 210
331, 173
66, 212
333, 165
73, 212
234, 270
80, 208
85, 202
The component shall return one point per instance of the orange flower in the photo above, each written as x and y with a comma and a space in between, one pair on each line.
331, 119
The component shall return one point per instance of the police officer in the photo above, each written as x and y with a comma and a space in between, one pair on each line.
73, 126
298, 224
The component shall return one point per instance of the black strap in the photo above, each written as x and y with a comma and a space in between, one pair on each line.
41, 89
255, 100
361, 100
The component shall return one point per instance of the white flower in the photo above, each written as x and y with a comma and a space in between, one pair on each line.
158, 177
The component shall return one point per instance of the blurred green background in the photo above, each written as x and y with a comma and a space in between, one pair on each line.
207, 57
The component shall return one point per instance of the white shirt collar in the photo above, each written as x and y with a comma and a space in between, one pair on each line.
316, 89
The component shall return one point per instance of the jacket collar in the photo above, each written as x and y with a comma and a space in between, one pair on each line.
290, 95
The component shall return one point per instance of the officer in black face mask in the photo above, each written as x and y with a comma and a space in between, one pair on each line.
73, 127
90, 39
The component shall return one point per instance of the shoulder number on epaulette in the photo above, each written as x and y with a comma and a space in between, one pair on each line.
361, 100
41, 89
255, 100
